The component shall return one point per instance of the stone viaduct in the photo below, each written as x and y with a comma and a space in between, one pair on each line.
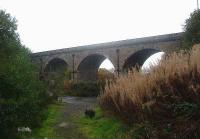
84, 61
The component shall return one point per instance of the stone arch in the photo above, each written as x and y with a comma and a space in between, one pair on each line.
55, 64
88, 68
138, 58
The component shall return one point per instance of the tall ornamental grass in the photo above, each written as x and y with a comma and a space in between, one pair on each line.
170, 92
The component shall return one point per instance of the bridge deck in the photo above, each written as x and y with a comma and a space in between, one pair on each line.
122, 43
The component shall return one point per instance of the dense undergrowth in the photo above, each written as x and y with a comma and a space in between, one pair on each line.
46, 130
164, 103
83, 89
60, 85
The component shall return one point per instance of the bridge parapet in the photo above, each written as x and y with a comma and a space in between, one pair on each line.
122, 43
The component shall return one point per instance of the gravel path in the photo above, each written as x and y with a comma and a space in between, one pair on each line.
73, 106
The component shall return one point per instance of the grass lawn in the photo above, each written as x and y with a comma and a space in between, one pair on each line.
47, 129
100, 127
48, 125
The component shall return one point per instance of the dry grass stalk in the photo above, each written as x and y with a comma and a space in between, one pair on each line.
178, 74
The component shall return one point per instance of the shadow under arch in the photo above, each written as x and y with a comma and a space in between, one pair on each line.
88, 68
56, 65
138, 58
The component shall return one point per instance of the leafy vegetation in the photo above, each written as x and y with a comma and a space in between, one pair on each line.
104, 74
60, 84
83, 89
192, 30
167, 98
46, 131
58, 124
22, 95
56, 83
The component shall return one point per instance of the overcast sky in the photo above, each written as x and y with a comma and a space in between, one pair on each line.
53, 24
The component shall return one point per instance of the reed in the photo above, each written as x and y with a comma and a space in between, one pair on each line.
138, 96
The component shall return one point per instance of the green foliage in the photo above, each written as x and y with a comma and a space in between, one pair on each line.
101, 126
22, 96
104, 74
46, 130
60, 84
142, 130
57, 82
57, 114
185, 109
67, 74
84, 89
192, 30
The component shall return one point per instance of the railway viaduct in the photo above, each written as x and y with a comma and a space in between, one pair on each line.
84, 61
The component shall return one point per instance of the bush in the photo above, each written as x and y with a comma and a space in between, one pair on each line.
104, 74
84, 89
58, 82
22, 95
169, 95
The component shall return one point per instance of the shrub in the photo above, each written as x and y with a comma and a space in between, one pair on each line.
104, 74
84, 89
58, 82
22, 95
170, 94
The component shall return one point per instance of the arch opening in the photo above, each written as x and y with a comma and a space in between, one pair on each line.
152, 61
89, 67
138, 59
56, 65
107, 65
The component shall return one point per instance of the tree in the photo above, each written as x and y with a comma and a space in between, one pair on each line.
22, 95
104, 74
192, 30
